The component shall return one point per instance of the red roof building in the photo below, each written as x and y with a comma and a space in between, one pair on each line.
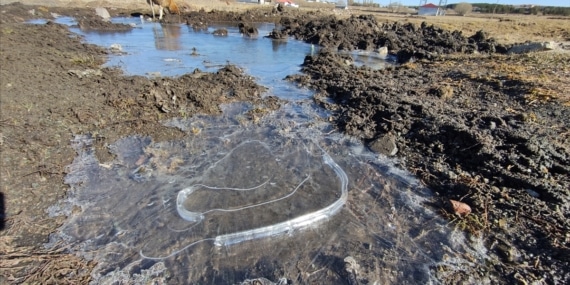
430, 10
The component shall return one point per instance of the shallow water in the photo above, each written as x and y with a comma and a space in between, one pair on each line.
261, 193
285, 197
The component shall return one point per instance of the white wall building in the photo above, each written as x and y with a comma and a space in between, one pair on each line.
430, 10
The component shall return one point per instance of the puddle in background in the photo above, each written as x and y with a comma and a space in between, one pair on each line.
171, 50
287, 197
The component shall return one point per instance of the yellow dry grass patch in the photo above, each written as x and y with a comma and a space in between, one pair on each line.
544, 73
504, 28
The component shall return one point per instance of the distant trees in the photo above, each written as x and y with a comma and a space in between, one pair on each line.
463, 8
560, 11
511, 9
395, 7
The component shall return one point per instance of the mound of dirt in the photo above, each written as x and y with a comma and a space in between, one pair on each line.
407, 41
468, 139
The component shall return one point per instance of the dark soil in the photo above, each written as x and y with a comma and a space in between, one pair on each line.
486, 129
407, 41
53, 88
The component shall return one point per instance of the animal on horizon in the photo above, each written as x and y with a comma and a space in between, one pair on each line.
170, 4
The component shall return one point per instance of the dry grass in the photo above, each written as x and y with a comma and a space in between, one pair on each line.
86, 61
545, 74
505, 28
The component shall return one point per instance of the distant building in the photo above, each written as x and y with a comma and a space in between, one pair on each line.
341, 4
430, 10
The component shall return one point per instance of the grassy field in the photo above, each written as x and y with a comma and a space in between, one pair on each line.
505, 28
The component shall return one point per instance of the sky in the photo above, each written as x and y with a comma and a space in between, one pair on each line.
560, 3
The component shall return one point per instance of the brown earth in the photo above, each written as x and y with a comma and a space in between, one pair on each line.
487, 129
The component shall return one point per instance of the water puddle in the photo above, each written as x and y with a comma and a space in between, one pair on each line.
286, 198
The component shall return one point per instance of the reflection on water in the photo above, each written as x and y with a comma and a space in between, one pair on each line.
152, 48
167, 37
172, 50
237, 200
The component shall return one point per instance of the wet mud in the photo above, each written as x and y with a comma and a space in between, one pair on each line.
475, 125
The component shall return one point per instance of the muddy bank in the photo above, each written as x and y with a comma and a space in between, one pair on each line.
53, 88
404, 40
481, 128
470, 139
489, 131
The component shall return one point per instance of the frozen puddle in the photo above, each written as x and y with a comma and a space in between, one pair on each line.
287, 198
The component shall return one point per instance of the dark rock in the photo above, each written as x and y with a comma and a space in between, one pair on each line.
384, 144
221, 32
248, 30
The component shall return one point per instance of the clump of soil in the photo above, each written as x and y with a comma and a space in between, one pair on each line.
98, 24
407, 40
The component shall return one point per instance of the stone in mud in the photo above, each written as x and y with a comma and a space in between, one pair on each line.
221, 32
383, 51
99, 24
103, 13
277, 35
384, 144
248, 30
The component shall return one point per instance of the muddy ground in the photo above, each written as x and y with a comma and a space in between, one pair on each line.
476, 125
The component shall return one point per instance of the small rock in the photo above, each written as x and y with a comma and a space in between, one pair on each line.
103, 13
116, 48
385, 144
221, 32
383, 51
459, 208
248, 30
